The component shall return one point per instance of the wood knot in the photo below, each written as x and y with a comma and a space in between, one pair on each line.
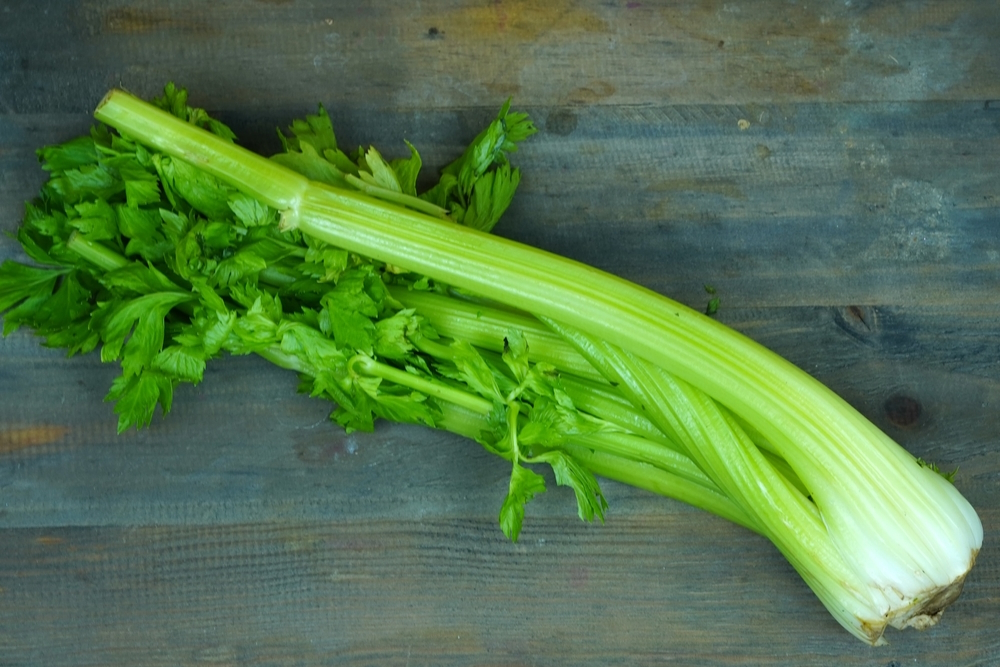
903, 411
859, 322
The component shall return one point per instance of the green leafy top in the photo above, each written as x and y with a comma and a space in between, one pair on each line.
174, 100
164, 267
479, 186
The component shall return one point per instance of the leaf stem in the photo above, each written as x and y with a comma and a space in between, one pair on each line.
416, 203
96, 253
646, 476
365, 365
485, 327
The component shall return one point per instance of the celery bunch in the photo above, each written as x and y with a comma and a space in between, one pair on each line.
166, 244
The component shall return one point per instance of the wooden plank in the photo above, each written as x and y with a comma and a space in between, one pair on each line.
815, 205
243, 446
459, 53
204, 499
849, 222
646, 589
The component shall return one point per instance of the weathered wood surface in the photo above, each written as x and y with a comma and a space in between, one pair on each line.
853, 225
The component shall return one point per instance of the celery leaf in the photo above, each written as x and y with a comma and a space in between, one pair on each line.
524, 485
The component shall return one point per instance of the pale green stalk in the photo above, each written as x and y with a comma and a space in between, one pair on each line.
905, 533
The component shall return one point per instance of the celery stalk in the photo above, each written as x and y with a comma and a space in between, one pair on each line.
904, 537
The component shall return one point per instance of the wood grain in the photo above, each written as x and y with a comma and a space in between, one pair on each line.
459, 53
829, 169
642, 590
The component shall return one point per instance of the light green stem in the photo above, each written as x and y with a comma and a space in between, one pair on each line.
97, 254
274, 185
409, 201
485, 327
645, 476
368, 366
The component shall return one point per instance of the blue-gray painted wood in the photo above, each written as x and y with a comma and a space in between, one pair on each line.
830, 170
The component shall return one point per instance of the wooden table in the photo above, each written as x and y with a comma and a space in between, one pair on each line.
830, 168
